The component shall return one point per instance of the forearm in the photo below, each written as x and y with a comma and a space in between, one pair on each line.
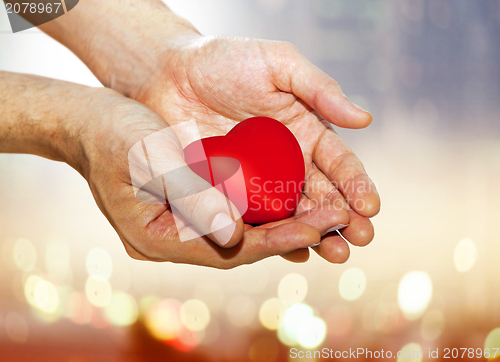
43, 117
123, 42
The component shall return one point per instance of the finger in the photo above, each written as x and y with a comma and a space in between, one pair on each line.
360, 231
204, 207
341, 166
317, 89
256, 244
333, 248
304, 205
324, 218
320, 190
297, 256
190, 196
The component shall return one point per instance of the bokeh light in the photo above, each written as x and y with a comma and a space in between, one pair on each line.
271, 313
169, 321
24, 255
492, 343
294, 319
98, 291
432, 325
163, 319
312, 333
411, 352
146, 304
99, 263
195, 315
29, 288
414, 294
41, 294
292, 288
122, 310
301, 327
46, 297
465, 255
352, 284
285, 338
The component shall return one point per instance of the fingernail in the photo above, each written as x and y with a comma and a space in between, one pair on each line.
359, 107
223, 228
336, 227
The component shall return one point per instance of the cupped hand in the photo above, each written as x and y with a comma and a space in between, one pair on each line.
124, 143
220, 81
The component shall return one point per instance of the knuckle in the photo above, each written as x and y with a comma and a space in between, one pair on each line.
333, 196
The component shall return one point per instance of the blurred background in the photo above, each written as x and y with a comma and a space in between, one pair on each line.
428, 70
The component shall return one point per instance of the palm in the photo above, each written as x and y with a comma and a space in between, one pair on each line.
223, 81
218, 90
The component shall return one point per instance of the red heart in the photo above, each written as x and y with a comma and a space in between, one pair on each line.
271, 162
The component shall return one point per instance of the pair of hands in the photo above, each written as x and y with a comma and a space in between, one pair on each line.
218, 82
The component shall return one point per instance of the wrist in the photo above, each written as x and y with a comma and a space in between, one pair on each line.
123, 42
131, 64
45, 117
112, 126
149, 61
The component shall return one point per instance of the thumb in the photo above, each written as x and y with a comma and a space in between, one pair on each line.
158, 173
323, 94
202, 205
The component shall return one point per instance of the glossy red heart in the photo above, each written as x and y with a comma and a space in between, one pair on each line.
271, 163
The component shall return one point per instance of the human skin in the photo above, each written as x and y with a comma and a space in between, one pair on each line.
143, 50
92, 130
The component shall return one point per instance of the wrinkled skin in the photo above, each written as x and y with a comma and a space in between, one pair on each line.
220, 81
